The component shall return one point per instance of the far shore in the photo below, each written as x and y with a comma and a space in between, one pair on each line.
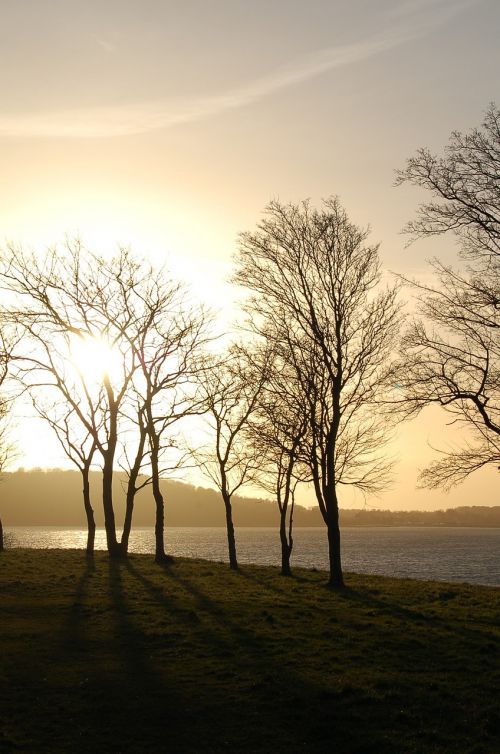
53, 498
423, 525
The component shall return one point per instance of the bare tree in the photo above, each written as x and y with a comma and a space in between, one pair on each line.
452, 349
8, 341
455, 466
228, 459
132, 465
451, 357
314, 277
79, 448
140, 317
59, 302
277, 431
5, 452
165, 334
466, 187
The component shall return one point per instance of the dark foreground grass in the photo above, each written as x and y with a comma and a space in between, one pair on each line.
131, 657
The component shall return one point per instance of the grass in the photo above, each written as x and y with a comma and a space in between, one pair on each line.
131, 657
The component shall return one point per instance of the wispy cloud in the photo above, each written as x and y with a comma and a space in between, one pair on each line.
105, 44
443, 8
125, 120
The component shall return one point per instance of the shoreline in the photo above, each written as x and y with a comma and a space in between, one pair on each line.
274, 569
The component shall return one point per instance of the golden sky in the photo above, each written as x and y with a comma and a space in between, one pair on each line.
168, 126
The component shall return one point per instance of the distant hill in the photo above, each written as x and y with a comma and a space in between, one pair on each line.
53, 498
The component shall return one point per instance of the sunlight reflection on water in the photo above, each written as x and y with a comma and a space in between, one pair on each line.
448, 554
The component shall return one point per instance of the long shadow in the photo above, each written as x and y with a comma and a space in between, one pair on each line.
296, 577
53, 668
200, 678
298, 702
156, 661
389, 607
73, 636
148, 696
171, 606
264, 582
473, 636
243, 673
125, 702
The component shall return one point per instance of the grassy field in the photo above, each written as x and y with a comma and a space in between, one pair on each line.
131, 657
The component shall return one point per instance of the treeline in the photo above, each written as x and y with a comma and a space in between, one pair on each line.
465, 515
121, 362
53, 498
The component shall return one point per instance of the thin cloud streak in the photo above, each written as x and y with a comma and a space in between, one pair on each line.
125, 120
105, 44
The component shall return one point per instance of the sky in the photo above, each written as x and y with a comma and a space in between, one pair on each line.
168, 126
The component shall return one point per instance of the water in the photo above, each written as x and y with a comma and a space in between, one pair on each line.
446, 554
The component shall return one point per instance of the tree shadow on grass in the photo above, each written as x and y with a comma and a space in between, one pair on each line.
262, 702
281, 584
132, 657
73, 636
148, 704
103, 690
171, 659
390, 607
263, 580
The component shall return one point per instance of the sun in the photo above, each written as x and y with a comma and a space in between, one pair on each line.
94, 357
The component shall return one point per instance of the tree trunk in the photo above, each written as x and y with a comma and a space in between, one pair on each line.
160, 555
231, 542
129, 509
286, 503
286, 545
89, 512
132, 490
114, 547
336, 577
1, 536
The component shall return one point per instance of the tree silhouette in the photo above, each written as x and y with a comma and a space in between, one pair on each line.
452, 349
132, 465
61, 299
79, 448
465, 186
277, 431
165, 334
230, 398
8, 340
76, 296
313, 277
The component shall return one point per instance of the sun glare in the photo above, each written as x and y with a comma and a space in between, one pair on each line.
94, 357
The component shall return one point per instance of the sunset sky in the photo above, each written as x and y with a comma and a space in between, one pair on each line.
168, 126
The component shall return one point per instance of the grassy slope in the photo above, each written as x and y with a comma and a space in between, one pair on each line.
130, 657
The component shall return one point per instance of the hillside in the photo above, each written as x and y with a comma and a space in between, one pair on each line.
53, 498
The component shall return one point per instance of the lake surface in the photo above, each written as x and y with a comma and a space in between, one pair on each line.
446, 554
